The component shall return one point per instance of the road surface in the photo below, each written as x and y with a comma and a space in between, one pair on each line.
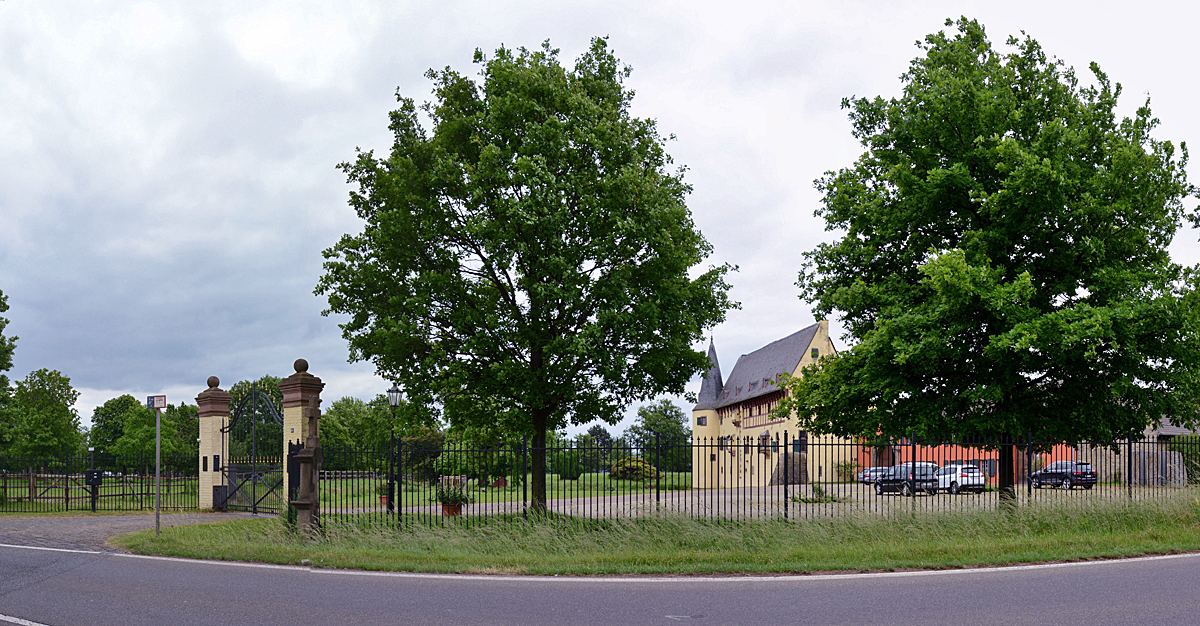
58, 587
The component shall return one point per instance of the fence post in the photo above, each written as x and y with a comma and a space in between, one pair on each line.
1029, 462
398, 448
787, 460
657, 473
524, 475
391, 486
1129, 465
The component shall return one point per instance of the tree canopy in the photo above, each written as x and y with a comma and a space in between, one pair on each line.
665, 427
44, 422
1003, 265
7, 346
526, 262
124, 427
108, 421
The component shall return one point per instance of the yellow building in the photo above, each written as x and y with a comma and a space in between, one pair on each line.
738, 442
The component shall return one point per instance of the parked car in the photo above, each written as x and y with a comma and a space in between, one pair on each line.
871, 474
907, 480
959, 478
933, 467
1064, 474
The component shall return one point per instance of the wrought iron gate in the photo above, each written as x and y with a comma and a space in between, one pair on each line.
254, 461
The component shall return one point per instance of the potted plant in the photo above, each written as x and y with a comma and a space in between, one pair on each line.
452, 498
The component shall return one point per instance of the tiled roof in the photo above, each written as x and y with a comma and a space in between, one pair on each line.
710, 389
1165, 427
766, 363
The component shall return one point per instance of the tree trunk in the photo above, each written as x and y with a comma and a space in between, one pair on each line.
538, 466
1008, 491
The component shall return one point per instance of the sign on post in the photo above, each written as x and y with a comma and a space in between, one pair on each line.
157, 403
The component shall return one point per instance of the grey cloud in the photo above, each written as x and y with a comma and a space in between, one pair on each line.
162, 212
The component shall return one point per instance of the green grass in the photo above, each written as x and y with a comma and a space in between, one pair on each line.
674, 545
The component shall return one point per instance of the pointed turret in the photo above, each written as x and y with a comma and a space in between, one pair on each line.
710, 389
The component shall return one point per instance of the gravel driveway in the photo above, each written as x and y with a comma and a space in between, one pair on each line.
90, 532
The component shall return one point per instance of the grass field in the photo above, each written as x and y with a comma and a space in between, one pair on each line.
674, 545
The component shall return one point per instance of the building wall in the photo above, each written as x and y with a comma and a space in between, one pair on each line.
731, 450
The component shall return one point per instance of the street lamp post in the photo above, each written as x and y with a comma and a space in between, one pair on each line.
394, 397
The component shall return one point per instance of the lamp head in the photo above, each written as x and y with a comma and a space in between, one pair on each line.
395, 396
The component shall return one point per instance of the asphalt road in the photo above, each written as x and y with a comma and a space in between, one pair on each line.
57, 588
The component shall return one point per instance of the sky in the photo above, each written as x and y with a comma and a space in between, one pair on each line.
168, 170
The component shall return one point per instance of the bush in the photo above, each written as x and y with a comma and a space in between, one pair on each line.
1188, 446
633, 469
452, 494
848, 471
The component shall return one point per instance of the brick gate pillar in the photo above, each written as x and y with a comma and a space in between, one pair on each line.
214, 415
301, 417
300, 391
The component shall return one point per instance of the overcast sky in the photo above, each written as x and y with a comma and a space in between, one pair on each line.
168, 169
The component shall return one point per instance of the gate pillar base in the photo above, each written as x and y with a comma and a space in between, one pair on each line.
307, 502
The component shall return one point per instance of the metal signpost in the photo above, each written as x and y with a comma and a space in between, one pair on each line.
158, 403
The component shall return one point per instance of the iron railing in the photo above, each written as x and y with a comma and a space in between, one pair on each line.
737, 478
43, 485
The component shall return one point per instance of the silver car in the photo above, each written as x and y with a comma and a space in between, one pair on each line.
959, 478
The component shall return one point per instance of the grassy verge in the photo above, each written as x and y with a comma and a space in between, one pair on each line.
672, 545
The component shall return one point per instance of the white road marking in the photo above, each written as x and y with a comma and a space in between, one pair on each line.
627, 579
19, 621
6, 545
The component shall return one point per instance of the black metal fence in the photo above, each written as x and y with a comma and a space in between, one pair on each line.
41, 485
780, 476
777, 475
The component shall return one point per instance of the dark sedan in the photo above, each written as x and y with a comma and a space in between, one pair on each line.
1064, 474
871, 474
907, 480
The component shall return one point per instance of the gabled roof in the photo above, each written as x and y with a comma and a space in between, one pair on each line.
766, 363
710, 389
1165, 427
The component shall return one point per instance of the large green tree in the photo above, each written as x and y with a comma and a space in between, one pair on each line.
45, 424
1002, 260
108, 421
7, 346
138, 434
663, 429
527, 254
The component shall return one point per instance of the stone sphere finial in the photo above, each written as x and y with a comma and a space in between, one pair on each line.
213, 381
301, 366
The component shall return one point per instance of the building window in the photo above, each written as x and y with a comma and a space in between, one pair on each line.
701, 421
800, 443
815, 353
